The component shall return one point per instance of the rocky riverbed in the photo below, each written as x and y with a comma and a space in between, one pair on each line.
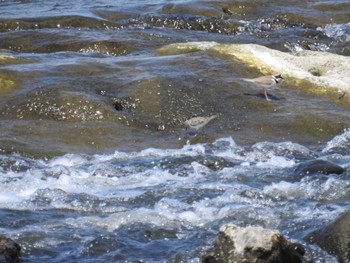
95, 161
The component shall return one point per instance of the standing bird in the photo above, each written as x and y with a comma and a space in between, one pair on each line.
197, 123
266, 82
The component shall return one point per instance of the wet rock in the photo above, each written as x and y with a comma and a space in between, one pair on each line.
121, 104
9, 250
334, 238
53, 22
104, 47
165, 103
318, 166
42, 42
299, 68
200, 138
240, 9
60, 104
7, 83
192, 8
8, 80
7, 59
196, 23
253, 244
117, 15
311, 16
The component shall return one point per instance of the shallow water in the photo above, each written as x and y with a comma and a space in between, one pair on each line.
95, 162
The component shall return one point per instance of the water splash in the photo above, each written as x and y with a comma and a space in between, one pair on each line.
339, 32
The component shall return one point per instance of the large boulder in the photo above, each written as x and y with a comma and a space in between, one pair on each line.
318, 71
253, 244
9, 250
334, 238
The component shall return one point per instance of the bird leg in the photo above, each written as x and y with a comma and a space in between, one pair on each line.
342, 96
265, 93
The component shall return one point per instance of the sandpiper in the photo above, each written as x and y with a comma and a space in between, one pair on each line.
266, 82
197, 123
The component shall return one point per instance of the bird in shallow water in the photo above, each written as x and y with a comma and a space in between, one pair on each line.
197, 123
266, 82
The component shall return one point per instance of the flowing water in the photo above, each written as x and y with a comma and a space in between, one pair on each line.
95, 163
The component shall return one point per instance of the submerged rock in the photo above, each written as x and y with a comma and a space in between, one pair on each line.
9, 250
334, 238
253, 244
318, 166
8, 80
60, 104
7, 83
191, 8
318, 71
7, 59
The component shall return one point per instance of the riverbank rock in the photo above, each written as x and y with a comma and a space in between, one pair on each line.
317, 71
334, 238
9, 250
318, 166
253, 244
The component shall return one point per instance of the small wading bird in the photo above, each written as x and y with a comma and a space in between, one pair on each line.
197, 123
266, 82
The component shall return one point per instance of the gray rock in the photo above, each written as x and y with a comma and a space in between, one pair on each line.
334, 238
253, 244
9, 250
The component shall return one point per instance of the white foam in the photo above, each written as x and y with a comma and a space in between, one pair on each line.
190, 217
339, 142
227, 148
190, 194
276, 161
313, 189
171, 205
340, 32
8, 198
284, 190
265, 154
68, 160
141, 215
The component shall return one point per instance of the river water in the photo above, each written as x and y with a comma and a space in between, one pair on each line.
95, 164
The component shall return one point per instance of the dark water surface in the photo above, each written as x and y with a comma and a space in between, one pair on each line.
95, 164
